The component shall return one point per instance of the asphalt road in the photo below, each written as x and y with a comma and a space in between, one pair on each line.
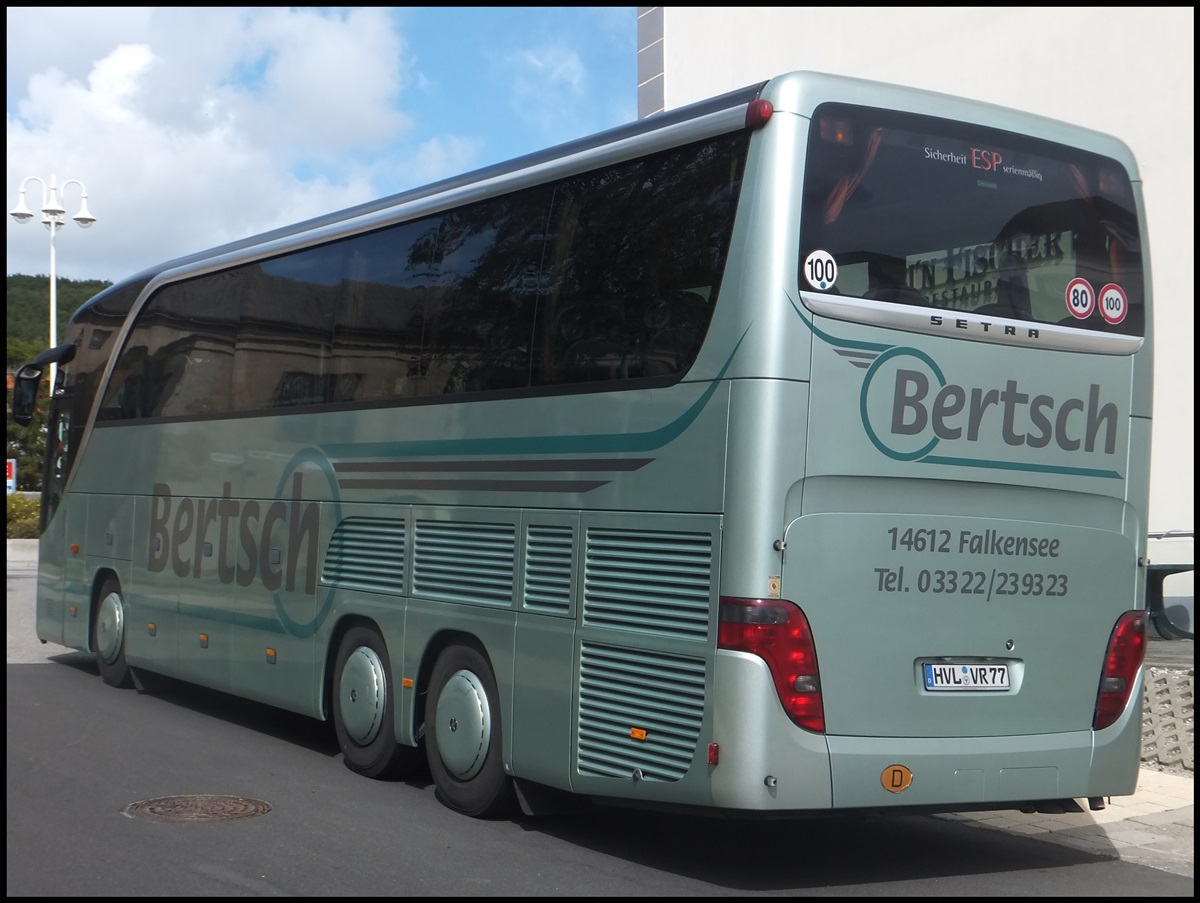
81, 753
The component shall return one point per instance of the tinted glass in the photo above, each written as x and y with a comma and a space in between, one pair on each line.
607, 276
285, 327
634, 258
178, 358
379, 325
915, 210
97, 323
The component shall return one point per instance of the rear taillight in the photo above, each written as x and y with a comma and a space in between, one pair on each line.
1125, 654
777, 632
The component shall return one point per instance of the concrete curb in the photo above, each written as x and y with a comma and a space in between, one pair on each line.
22, 551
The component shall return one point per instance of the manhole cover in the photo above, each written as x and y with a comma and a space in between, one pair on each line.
197, 807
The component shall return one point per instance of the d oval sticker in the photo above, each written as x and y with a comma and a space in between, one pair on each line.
896, 778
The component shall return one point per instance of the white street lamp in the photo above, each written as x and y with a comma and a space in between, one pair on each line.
52, 218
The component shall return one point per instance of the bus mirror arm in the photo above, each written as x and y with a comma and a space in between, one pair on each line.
59, 354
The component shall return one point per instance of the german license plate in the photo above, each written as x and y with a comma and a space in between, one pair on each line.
961, 676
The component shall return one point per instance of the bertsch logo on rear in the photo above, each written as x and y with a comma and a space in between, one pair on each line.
909, 409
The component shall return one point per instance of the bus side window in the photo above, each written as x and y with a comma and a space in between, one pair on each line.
591, 343
379, 321
125, 396
131, 398
675, 327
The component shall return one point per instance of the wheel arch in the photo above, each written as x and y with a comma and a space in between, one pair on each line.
340, 629
101, 577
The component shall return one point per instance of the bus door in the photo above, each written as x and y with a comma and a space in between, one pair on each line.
56, 568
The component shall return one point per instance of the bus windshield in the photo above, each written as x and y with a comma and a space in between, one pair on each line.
922, 211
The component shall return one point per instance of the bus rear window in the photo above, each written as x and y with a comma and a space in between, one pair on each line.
907, 209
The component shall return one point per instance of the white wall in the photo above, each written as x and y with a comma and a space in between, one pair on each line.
1125, 70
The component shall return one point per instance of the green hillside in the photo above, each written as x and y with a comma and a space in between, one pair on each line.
28, 305
28, 335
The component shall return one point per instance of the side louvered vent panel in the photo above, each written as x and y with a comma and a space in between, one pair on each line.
639, 713
649, 581
549, 562
367, 553
464, 562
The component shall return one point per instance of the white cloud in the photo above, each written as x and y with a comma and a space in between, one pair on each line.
218, 124
437, 157
68, 39
328, 83
114, 82
193, 126
547, 83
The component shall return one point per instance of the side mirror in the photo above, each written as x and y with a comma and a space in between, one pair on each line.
25, 383
25, 386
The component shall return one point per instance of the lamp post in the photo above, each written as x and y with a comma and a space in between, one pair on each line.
53, 214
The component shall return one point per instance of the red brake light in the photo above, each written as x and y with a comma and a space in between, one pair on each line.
777, 632
1125, 654
757, 113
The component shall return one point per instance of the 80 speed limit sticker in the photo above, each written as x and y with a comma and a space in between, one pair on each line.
1081, 300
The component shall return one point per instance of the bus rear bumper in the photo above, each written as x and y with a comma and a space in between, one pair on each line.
987, 772
769, 765
984, 772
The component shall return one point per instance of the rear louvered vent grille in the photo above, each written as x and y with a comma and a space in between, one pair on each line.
639, 713
464, 562
649, 581
549, 561
367, 553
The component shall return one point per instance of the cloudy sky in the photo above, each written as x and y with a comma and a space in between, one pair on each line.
191, 127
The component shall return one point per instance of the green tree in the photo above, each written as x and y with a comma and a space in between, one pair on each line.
28, 301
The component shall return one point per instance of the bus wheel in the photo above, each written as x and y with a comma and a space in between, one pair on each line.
364, 708
462, 735
108, 636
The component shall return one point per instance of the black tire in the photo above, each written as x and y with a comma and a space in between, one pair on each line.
108, 635
364, 708
463, 737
